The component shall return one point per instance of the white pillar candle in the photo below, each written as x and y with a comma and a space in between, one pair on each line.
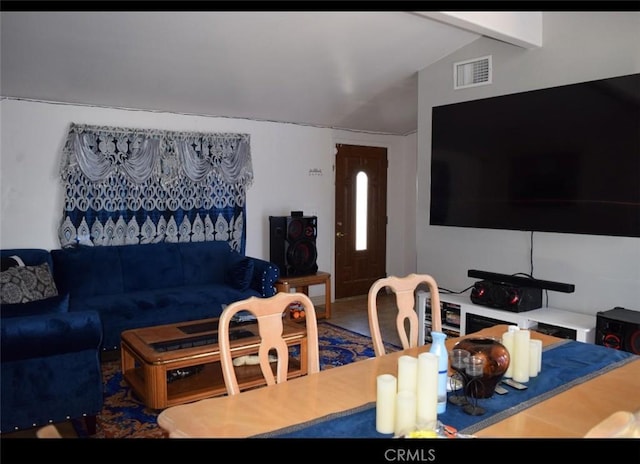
405, 413
536, 345
386, 403
407, 373
533, 359
521, 343
507, 341
427, 393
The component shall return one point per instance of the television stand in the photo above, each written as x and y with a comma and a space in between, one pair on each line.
472, 317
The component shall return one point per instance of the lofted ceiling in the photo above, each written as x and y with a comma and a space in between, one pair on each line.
346, 70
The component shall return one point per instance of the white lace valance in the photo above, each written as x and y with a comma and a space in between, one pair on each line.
102, 152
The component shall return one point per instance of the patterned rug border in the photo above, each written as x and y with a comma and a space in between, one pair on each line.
353, 332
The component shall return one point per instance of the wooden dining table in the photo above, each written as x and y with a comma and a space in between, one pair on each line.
568, 414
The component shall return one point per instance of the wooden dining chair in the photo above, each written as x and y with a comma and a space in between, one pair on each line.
48, 431
404, 289
269, 313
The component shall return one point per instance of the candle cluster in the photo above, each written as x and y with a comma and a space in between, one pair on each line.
409, 401
526, 354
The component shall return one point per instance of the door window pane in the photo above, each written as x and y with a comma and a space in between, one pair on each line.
362, 187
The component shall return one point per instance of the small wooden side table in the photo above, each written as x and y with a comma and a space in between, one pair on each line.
301, 284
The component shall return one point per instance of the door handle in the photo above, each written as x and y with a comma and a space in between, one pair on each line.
339, 234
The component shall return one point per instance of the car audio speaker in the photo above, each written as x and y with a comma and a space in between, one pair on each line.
292, 244
619, 328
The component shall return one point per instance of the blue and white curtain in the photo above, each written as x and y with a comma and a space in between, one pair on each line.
127, 186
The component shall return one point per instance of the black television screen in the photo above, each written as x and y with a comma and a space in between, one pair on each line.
562, 159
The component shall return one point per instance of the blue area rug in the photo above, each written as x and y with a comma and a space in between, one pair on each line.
564, 365
124, 416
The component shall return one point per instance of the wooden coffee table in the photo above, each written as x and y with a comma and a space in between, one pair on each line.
149, 354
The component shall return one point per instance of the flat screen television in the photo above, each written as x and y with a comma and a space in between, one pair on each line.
562, 159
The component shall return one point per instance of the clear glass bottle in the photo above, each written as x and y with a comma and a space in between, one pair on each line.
438, 348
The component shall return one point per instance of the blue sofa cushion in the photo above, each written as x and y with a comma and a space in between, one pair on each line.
85, 271
150, 266
48, 335
22, 284
55, 304
205, 262
240, 273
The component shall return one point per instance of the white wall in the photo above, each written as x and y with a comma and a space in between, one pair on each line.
576, 47
33, 134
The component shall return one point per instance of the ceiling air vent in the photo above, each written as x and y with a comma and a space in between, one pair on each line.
471, 73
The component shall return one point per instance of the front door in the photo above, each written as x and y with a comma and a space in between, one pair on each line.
361, 218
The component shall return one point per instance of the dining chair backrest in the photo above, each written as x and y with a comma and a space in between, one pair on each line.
48, 431
404, 289
269, 313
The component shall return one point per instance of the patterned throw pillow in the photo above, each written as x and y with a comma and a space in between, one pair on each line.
23, 284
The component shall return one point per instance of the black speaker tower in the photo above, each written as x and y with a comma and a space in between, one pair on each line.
292, 244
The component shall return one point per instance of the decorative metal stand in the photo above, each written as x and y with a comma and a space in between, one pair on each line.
457, 359
473, 371
471, 407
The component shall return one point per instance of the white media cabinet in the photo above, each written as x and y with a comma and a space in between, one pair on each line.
458, 311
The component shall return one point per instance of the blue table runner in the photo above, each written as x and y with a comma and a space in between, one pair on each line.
564, 364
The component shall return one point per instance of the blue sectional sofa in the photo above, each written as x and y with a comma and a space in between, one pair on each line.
49, 359
133, 286
51, 348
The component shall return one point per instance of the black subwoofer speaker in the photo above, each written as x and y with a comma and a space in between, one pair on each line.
292, 244
506, 296
619, 328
